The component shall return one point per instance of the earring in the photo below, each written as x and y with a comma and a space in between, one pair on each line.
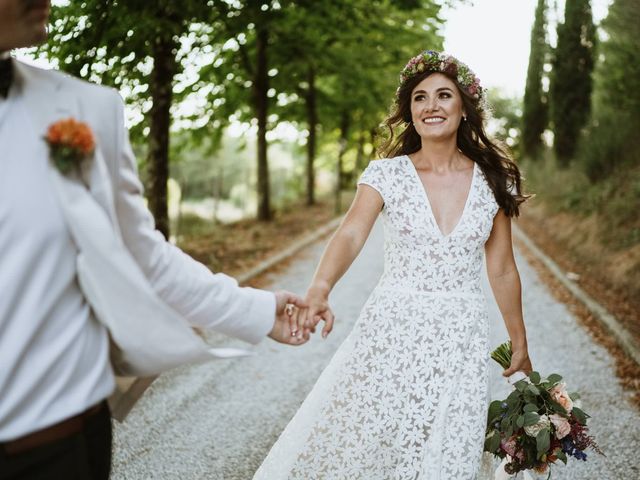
464, 118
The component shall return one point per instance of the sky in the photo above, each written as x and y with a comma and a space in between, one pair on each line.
492, 37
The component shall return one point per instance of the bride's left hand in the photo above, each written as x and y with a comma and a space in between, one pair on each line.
519, 362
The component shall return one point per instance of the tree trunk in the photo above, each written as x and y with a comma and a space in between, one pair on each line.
161, 89
260, 88
360, 153
312, 121
218, 185
344, 133
373, 133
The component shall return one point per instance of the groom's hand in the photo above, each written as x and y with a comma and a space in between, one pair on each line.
290, 311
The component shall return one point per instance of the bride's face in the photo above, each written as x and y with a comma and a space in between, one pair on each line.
436, 107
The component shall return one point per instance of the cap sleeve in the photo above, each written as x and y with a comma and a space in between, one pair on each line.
374, 176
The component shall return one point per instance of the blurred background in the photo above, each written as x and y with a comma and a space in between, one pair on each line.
252, 119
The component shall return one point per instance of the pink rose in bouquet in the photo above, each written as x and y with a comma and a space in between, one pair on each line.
561, 424
560, 395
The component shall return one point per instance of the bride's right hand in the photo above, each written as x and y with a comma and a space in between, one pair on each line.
317, 299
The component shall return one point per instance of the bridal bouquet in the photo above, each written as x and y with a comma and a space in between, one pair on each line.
538, 424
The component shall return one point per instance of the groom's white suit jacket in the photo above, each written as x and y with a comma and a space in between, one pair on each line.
143, 288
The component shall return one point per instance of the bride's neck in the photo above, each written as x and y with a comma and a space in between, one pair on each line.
437, 156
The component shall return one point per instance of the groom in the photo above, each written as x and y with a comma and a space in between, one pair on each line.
55, 371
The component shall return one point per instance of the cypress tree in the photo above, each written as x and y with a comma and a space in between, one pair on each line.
571, 82
613, 136
534, 114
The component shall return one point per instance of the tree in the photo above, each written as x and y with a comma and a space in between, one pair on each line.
134, 46
612, 138
534, 116
571, 81
506, 116
248, 32
235, 61
337, 58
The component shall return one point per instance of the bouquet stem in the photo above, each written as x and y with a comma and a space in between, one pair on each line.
502, 355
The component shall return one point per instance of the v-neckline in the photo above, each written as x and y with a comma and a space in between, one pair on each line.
428, 202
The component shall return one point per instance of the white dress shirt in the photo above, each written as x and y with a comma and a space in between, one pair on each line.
54, 357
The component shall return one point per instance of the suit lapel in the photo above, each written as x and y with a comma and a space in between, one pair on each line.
48, 101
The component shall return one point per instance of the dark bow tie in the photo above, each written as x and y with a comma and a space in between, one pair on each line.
6, 76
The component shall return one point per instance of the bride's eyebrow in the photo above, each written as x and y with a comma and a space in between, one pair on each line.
441, 89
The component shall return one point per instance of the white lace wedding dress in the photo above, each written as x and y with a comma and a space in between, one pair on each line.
405, 397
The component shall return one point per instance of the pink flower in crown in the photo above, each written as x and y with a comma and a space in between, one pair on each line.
451, 68
473, 89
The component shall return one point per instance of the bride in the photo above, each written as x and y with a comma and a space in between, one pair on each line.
405, 396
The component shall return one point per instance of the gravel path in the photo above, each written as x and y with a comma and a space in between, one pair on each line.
218, 421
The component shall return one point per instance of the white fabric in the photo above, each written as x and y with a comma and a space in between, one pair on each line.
406, 394
53, 355
185, 286
148, 336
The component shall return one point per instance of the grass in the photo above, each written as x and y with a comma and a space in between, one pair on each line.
614, 201
589, 228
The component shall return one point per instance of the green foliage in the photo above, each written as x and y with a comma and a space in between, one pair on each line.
571, 82
506, 118
614, 198
612, 138
112, 43
210, 69
534, 112
543, 439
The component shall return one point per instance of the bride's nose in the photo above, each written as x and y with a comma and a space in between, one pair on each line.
431, 105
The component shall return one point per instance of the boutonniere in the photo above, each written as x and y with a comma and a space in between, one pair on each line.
71, 144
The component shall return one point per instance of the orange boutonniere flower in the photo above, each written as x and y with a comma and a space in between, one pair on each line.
70, 143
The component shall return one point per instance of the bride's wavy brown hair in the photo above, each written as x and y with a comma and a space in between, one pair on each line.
499, 169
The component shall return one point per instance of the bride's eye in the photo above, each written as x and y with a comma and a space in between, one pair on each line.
418, 98
445, 95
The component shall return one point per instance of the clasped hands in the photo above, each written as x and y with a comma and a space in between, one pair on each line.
297, 318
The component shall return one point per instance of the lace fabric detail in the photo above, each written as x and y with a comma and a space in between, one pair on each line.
405, 395
417, 255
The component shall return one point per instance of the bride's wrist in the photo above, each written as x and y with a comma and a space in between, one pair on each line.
319, 287
520, 346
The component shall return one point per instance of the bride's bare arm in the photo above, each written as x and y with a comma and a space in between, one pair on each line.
342, 249
505, 284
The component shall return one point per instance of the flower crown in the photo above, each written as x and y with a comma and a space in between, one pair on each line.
432, 61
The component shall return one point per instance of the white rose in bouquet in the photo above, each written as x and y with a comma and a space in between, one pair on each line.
533, 430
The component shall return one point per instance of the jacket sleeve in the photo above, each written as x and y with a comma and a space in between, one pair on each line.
205, 299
